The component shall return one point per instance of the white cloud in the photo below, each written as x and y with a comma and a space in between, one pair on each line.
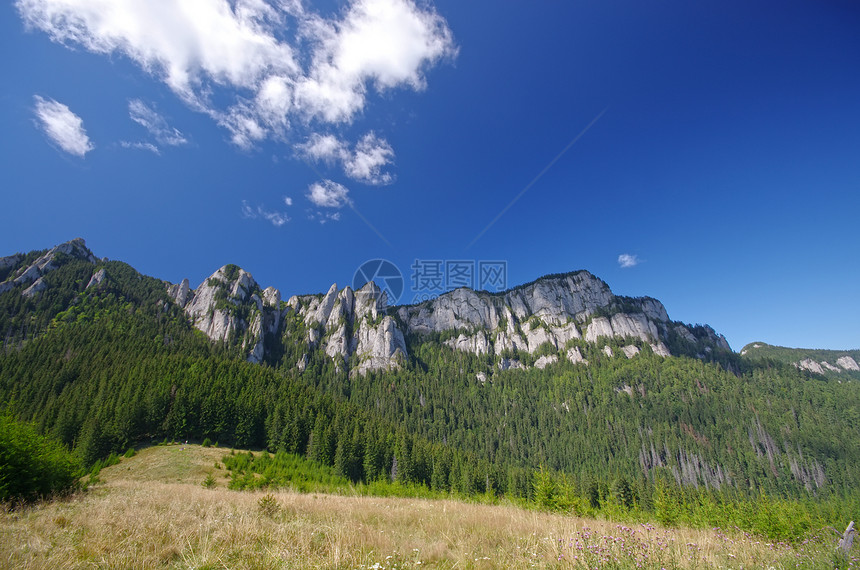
626, 260
324, 148
271, 60
62, 126
328, 194
288, 201
277, 219
364, 163
385, 42
153, 122
371, 155
189, 45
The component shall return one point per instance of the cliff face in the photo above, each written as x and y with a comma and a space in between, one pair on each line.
553, 310
352, 328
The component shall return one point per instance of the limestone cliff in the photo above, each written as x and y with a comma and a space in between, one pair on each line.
358, 332
552, 311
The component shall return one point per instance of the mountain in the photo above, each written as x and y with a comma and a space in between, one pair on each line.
836, 363
360, 333
469, 391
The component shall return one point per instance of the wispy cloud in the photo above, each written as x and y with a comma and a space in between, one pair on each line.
328, 194
277, 219
141, 146
152, 121
324, 217
62, 126
626, 260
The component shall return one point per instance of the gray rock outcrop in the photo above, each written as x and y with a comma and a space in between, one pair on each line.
351, 327
46, 263
179, 292
97, 278
847, 363
575, 356
229, 306
843, 363
811, 365
545, 361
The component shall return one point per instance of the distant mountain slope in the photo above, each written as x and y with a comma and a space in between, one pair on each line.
836, 363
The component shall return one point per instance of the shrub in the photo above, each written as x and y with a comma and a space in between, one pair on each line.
208, 482
207, 442
32, 466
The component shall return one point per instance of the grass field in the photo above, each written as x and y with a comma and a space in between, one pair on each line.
151, 511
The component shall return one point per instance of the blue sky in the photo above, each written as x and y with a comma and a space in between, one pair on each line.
705, 154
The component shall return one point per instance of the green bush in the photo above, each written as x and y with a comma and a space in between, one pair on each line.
32, 466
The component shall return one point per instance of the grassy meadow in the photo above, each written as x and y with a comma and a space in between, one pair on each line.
152, 511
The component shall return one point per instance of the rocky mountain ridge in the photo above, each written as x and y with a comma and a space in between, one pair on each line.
549, 319
358, 331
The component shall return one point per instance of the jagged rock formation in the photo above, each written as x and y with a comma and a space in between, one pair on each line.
349, 327
352, 328
46, 263
359, 334
229, 306
97, 278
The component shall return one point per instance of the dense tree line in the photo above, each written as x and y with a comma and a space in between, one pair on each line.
774, 429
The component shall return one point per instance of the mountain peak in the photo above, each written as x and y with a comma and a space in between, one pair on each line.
32, 273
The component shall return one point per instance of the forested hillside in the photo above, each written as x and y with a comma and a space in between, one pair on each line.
103, 359
838, 364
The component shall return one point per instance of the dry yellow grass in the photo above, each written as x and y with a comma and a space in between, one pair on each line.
152, 512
